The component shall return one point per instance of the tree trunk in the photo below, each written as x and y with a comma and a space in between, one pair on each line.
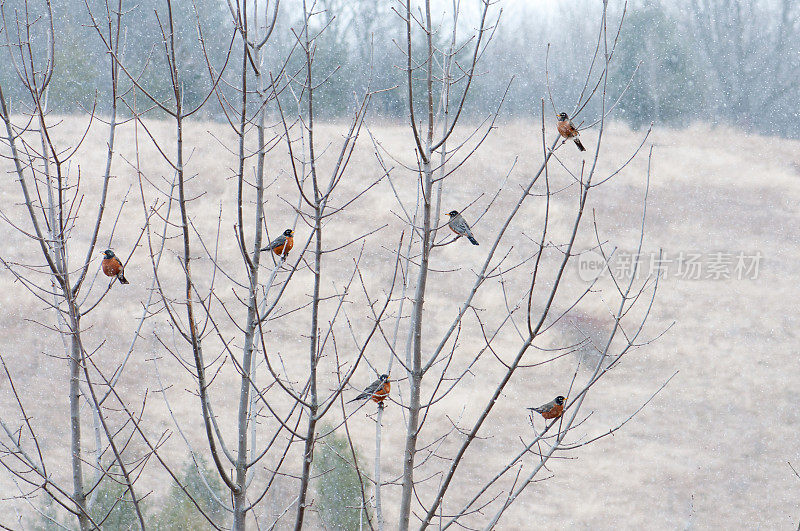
78, 494
415, 359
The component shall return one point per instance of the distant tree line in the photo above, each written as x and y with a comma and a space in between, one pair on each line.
723, 61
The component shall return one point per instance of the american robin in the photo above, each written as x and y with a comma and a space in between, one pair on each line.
112, 267
567, 129
282, 244
460, 227
377, 390
552, 409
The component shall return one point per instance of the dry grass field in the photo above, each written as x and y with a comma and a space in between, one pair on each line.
709, 452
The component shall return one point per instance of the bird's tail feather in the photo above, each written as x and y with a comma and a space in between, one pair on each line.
580, 146
472, 239
122, 279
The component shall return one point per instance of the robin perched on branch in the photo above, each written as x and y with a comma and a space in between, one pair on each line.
552, 409
112, 267
567, 129
282, 244
460, 227
377, 390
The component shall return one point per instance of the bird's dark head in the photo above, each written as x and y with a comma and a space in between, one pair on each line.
452, 213
288, 232
563, 116
560, 400
384, 377
108, 253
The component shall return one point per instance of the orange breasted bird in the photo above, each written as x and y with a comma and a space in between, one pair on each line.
552, 409
112, 267
282, 244
460, 227
377, 390
567, 129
